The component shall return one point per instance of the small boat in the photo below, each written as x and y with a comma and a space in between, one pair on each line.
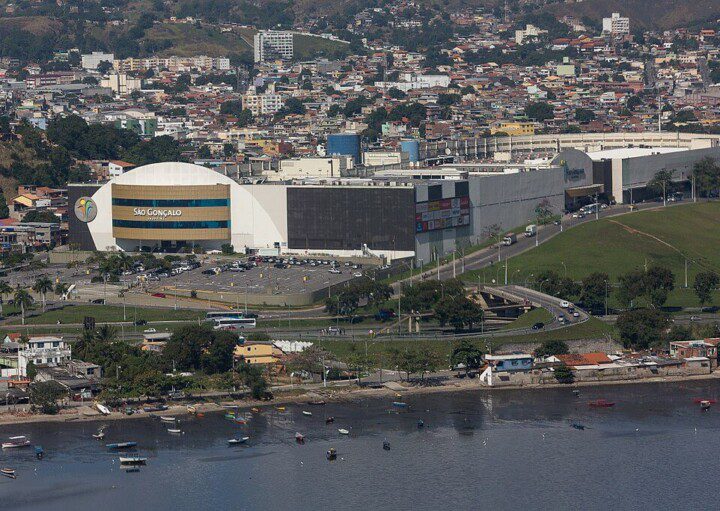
343, 431
305, 412
699, 400
121, 445
158, 408
255, 410
329, 420
200, 415
132, 460
236, 441
601, 403
705, 405
230, 416
280, 408
331, 454
99, 435
386, 445
240, 420
16, 441
399, 404
39, 452
316, 403
174, 431
102, 408
8, 472
300, 438
577, 426
168, 419
420, 423
191, 409
576, 393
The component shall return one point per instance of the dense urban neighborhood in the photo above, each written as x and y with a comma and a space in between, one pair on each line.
223, 213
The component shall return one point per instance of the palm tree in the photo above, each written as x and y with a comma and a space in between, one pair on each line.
5, 289
61, 288
23, 299
43, 285
106, 333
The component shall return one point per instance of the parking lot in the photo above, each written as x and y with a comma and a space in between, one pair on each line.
268, 276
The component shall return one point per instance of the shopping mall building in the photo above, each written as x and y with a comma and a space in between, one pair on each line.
170, 207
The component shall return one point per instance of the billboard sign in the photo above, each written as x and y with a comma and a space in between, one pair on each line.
442, 214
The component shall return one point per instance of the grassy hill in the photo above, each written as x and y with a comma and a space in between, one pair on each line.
649, 14
617, 245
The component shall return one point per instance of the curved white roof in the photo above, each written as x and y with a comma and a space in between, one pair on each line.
172, 174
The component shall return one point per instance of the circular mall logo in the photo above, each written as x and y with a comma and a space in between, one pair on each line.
85, 209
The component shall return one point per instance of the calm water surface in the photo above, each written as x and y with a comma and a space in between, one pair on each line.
505, 450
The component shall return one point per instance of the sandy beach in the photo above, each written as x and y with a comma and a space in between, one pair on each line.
89, 413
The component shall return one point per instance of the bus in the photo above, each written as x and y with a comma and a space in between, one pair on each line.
233, 323
223, 314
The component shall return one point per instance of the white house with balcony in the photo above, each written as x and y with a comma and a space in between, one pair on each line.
49, 351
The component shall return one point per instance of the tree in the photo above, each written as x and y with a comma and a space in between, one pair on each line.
539, 111
594, 291
706, 173
427, 360
43, 285
310, 360
550, 348
218, 357
5, 289
551, 283
705, 284
641, 328
584, 115
44, 396
244, 118
227, 249
653, 285
185, 346
661, 183
467, 353
359, 361
543, 212
105, 334
4, 210
23, 299
458, 311
104, 66
396, 93
564, 374
41, 216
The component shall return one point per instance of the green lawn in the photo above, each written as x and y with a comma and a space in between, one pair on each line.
591, 329
529, 319
109, 313
618, 245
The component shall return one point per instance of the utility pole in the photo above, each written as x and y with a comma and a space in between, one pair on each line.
454, 275
506, 271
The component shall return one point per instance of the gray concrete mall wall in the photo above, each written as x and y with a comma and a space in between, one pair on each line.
508, 200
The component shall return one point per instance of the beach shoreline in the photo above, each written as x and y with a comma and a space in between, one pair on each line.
332, 394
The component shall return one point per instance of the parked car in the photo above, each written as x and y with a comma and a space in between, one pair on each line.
334, 270
539, 325
150, 331
159, 295
140, 322
564, 304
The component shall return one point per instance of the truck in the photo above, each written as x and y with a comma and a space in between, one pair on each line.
509, 239
530, 230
